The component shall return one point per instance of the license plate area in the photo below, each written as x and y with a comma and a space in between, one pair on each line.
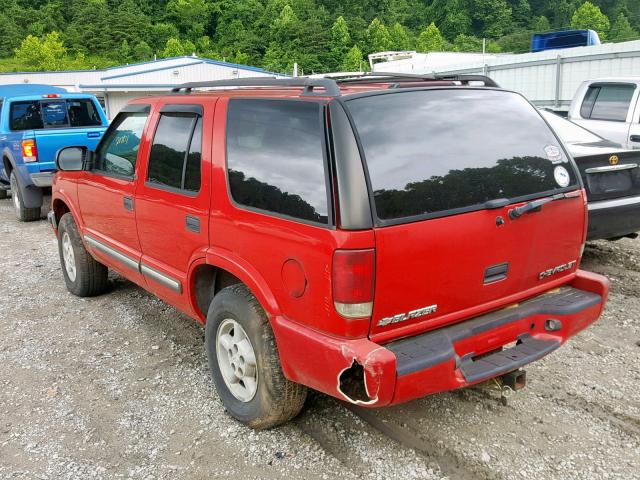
609, 182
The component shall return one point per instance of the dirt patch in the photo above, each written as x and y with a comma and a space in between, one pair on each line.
118, 387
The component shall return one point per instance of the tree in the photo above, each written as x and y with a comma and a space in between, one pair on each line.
493, 17
45, 53
431, 40
190, 16
124, 53
340, 41
622, 30
589, 16
142, 52
10, 36
173, 48
400, 39
353, 61
377, 37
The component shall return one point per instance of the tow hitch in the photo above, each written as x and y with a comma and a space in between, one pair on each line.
510, 383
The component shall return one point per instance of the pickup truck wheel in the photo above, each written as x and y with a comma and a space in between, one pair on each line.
245, 364
23, 214
83, 275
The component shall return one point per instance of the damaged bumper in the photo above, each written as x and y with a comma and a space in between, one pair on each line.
365, 373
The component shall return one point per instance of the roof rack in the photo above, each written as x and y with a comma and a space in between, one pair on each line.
310, 85
329, 85
374, 77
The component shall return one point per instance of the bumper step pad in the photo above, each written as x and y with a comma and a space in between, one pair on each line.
528, 350
432, 348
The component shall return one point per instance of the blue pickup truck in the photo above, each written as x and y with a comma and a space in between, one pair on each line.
35, 122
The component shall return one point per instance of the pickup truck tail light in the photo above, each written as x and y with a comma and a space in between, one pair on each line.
353, 282
29, 151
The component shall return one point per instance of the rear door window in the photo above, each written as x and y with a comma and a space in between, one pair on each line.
174, 161
58, 113
275, 158
433, 153
607, 102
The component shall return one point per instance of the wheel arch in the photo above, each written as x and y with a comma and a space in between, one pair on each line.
219, 270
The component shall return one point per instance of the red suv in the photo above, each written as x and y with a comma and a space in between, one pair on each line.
375, 238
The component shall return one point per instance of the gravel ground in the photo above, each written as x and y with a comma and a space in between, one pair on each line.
117, 387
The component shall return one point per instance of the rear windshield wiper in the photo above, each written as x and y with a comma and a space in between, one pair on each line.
533, 205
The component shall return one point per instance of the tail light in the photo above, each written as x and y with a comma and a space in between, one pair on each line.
353, 282
29, 151
51, 95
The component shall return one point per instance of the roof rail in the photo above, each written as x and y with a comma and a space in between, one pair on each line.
310, 85
372, 77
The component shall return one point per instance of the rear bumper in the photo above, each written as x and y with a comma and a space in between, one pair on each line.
614, 218
443, 359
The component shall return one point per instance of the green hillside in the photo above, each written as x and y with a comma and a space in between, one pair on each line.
320, 35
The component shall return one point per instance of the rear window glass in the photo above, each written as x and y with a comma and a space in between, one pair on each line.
275, 157
607, 102
39, 114
437, 152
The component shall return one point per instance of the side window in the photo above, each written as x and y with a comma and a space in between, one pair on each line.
607, 102
118, 152
25, 116
275, 157
174, 160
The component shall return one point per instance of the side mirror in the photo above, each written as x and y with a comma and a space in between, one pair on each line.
71, 159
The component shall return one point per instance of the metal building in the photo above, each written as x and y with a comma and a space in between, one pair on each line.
549, 78
115, 86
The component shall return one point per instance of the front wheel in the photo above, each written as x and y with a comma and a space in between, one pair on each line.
22, 213
83, 275
245, 364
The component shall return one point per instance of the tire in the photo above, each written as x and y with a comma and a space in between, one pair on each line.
83, 275
23, 214
275, 400
3, 194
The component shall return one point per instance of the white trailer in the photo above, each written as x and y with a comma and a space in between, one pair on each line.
549, 78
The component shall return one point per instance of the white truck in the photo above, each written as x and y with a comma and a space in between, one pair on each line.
609, 107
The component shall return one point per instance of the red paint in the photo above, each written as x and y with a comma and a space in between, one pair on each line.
296, 274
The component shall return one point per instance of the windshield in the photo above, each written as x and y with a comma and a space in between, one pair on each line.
445, 151
568, 131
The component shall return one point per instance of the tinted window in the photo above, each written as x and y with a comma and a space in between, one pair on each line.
430, 152
83, 113
118, 152
36, 114
168, 159
607, 102
275, 157
169, 150
192, 169
26, 116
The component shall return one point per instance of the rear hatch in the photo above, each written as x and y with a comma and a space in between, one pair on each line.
608, 172
56, 123
445, 167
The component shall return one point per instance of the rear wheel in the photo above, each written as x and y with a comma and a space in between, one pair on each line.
22, 213
245, 364
83, 275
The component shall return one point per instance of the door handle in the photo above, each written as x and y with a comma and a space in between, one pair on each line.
192, 224
93, 134
635, 138
128, 203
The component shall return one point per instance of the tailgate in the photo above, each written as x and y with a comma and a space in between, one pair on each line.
447, 168
50, 141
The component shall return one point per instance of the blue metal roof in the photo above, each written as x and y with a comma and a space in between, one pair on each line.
22, 89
